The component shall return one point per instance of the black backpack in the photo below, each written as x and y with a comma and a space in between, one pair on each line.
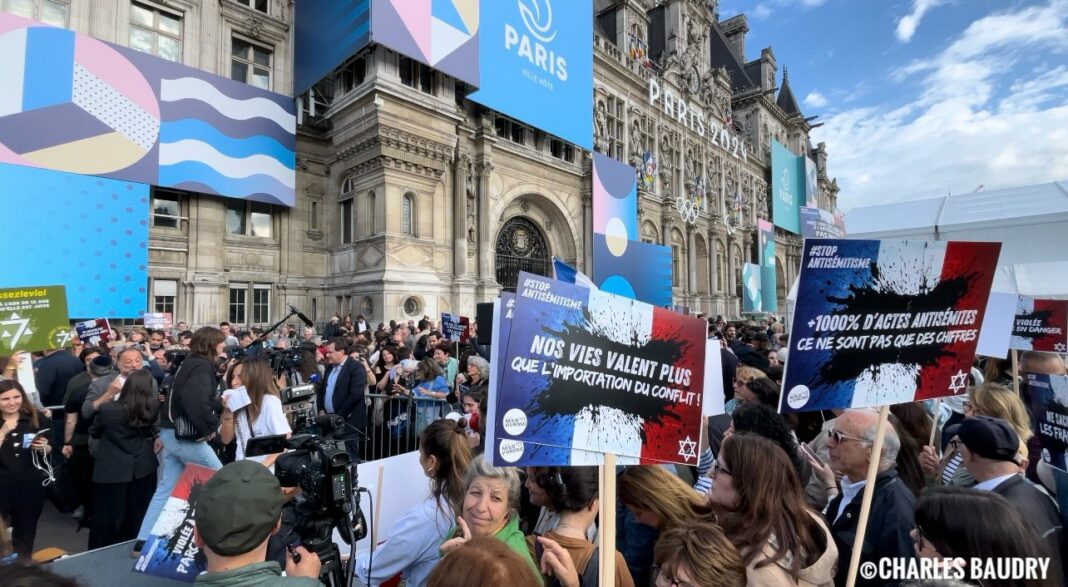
587, 576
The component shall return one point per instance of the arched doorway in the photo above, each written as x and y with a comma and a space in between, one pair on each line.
521, 246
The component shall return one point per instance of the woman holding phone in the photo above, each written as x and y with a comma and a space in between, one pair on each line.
252, 407
23, 446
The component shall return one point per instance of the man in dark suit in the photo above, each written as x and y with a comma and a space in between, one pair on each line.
989, 448
891, 519
342, 393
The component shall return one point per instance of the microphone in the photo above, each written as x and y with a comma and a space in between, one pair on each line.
300, 315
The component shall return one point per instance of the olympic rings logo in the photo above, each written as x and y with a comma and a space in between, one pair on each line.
688, 209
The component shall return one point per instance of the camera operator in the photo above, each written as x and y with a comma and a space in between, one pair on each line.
188, 420
343, 394
238, 510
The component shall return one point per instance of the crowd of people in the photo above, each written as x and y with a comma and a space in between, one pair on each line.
774, 499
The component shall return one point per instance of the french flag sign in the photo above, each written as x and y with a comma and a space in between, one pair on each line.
885, 322
584, 372
1040, 325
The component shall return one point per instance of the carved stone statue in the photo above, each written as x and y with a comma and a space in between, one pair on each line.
636, 147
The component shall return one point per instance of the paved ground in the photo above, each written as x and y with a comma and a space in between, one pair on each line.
56, 529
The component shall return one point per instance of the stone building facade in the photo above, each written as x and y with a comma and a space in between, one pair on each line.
413, 200
437, 203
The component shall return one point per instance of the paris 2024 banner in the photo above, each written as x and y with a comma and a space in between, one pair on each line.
885, 322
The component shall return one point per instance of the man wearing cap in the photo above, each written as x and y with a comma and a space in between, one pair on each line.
238, 510
989, 447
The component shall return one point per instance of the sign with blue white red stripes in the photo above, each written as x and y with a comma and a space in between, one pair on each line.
885, 322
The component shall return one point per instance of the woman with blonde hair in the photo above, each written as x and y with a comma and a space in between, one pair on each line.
658, 502
659, 499
987, 399
697, 553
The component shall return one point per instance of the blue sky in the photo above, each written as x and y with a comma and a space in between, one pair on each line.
924, 97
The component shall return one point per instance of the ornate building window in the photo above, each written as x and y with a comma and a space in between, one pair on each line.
166, 208
156, 32
345, 211
164, 294
372, 227
417, 75
351, 75
562, 150
616, 128
250, 63
508, 129
53, 12
346, 221
249, 218
412, 306
408, 214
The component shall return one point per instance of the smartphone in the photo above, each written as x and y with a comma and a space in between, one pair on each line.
29, 439
266, 445
812, 453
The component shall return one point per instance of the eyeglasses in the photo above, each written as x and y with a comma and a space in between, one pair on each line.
838, 437
955, 443
663, 579
718, 469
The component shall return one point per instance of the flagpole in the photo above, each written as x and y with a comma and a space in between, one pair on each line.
607, 528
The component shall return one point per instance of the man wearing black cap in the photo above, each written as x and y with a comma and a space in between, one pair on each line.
989, 447
238, 510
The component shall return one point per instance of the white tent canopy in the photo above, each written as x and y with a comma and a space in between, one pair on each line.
1031, 222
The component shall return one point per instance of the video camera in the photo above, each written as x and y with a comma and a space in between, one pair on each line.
329, 498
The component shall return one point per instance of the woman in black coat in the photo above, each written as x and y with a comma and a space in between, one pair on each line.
124, 473
22, 456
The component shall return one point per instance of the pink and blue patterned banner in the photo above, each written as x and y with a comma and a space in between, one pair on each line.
72, 103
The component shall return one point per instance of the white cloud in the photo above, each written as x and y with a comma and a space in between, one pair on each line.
981, 112
906, 25
760, 12
815, 99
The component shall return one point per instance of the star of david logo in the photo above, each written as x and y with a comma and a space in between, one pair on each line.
958, 382
1060, 347
14, 329
687, 449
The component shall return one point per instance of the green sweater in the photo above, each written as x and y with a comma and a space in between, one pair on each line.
513, 538
266, 573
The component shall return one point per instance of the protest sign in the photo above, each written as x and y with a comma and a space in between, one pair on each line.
996, 332
1040, 325
885, 322
1048, 403
513, 452
169, 551
817, 223
158, 320
93, 332
600, 372
455, 328
33, 319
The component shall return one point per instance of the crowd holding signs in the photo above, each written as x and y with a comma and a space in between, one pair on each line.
582, 376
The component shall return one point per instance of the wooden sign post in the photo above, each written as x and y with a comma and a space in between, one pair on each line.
607, 529
869, 490
1016, 371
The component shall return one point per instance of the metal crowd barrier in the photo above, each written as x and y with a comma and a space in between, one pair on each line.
393, 424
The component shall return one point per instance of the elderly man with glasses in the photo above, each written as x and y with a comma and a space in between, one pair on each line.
849, 443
